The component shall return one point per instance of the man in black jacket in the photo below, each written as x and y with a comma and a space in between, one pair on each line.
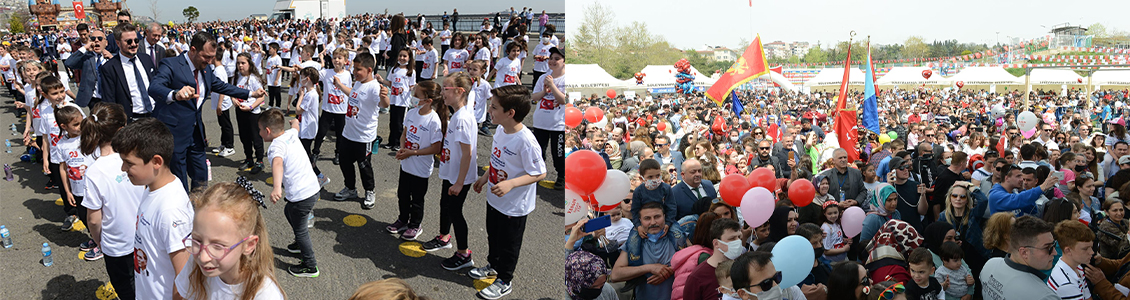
125, 78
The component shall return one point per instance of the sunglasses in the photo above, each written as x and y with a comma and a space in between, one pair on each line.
96, 38
768, 283
929, 135
660, 145
957, 196
130, 41
764, 148
1050, 249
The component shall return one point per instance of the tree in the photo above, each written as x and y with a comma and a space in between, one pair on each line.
1098, 30
621, 51
191, 14
154, 10
816, 55
17, 20
914, 47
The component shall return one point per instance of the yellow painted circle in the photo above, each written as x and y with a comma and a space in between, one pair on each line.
270, 180
59, 202
79, 226
355, 220
82, 255
412, 249
106, 292
547, 183
486, 168
481, 284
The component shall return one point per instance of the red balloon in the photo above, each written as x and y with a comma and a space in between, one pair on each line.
927, 73
960, 84
588, 163
763, 177
1080, 80
594, 114
661, 126
732, 188
572, 116
611, 93
801, 192
605, 208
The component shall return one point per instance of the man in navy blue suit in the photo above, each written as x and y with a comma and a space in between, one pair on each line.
692, 190
179, 89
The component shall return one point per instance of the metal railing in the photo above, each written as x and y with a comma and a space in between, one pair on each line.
472, 22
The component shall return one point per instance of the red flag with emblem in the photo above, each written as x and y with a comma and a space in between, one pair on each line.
845, 118
751, 65
80, 13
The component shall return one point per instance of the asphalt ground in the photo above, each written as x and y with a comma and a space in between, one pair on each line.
350, 244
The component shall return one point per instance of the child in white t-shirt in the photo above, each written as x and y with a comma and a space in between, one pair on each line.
274, 76
479, 98
308, 115
72, 163
111, 200
508, 70
366, 96
420, 140
457, 168
290, 166
164, 217
516, 163
431, 60
455, 59
400, 82
248, 114
229, 230
222, 104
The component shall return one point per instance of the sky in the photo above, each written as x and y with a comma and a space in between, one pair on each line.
694, 24
239, 9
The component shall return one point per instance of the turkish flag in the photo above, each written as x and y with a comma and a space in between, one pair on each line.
80, 13
846, 133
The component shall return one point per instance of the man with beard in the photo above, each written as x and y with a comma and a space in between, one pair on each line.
646, 261
763, 149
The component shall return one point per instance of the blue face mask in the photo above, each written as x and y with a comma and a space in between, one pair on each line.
654, 237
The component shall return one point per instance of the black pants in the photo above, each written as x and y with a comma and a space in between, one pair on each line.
411, 191
227, 135
120, 270
442, 50
324, 122
419, 70
249, 134
296, 213
328, 61
537, 76
76, 210
356, 152
274, 94
306, 143
451, 214
556, 142
504, 237
379, 57
395, 124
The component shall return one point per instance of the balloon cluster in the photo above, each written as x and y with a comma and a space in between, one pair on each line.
599, 189
684, 80
639, 78
574, 116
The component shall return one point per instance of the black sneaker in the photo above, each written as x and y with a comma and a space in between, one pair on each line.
69, 223
458, 261
257, 168
393, 149
483, 131
436, 244
559, 185
293, 248
336, 162
302, 270
246, 165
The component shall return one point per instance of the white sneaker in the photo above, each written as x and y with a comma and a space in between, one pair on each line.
226, 152
345, 194
370, 200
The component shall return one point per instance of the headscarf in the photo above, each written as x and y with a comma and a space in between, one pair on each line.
614, 155
936, 235
581, 270
778, 223
896, 234
876, 202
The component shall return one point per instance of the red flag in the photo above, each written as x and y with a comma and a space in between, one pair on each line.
774, 131
845, 119
80, 13
751, 65
1001, 145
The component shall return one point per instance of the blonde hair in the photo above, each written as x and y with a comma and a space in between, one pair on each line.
256, 267
998, 229
386, 289
968, 204
463, 80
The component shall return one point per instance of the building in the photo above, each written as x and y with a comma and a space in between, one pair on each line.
777, 49
724, 54
799, 49
1067, 35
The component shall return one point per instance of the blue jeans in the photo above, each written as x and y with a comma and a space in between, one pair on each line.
296, 213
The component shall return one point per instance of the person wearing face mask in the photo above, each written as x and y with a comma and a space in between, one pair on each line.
645, 260
586, 277
653, 189
763, 156
701, 283
813, 286
754, 277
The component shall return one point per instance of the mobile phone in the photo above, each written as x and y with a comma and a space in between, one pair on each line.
598, 223
791, 154
1058, 174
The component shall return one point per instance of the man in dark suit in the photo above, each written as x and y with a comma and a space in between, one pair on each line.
125, 78
781, 150
123, 17
151, 45
178, 89
89, 57
693, 196
83, 36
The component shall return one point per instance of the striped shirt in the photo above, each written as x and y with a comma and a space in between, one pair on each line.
1067, 283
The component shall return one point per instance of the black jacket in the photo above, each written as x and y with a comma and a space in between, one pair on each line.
115, 88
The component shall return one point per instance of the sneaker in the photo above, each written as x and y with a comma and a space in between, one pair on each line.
302, 270
257, 168
483, 272
559, 185
345, 194
458, 261
246, 165
386, 146
483, 131
370, 200
87, 245
323, 180
436, 244
226, 152
396, 227
393, 149
335, 160
69, 223
496, 290
310, 220
293, 248
217, 149
93, 254
410, 234
384, 110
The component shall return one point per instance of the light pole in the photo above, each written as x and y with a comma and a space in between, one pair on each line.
998, 38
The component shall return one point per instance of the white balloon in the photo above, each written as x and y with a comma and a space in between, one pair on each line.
575, 207
615, 188
1026, 121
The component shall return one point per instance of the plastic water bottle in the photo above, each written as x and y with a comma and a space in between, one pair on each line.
8, 173
5, 236
8, 145
47, 260
14, 131
209, 163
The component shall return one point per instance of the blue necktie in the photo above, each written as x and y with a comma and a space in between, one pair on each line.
141, 85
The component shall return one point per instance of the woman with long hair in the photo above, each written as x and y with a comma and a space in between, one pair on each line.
1082, 194
848, 281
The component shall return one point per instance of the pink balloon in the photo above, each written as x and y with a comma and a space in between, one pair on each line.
1028, 134
852, 221
757, 206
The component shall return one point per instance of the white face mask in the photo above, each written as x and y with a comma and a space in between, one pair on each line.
734, 249
652, 184
734, 139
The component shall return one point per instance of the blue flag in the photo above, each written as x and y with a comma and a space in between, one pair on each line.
737, 104
870, 100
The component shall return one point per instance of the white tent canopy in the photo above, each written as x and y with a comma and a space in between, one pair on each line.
1053, 77
911, 76
663, 76
1108, 76
780, 80
986, 76
590, 76
835, 76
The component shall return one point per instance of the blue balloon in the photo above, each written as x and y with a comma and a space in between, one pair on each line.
793, 257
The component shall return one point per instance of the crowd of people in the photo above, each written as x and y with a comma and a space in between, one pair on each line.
135, 112
961, 200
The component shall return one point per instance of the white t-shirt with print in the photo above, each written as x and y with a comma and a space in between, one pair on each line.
77, 163
400, 92
445, 38
483, 54
511, 156
431, 58
421, 131
461, 129
273, 70
361, 115
548, 114
308, 120
456, 60
507, 72
109, 189
250, 83
479, 97
334, 100
224, 101
218, 290
299, 180
54, 133
164, 219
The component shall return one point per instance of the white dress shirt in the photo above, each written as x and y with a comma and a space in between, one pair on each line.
128, 65
199, 84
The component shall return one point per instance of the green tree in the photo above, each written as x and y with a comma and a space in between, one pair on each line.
191, 14
1098, 30
914, 47
621, 51
816, 54
17, 20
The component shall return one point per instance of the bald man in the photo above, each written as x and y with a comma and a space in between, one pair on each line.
693, 195
846, 182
